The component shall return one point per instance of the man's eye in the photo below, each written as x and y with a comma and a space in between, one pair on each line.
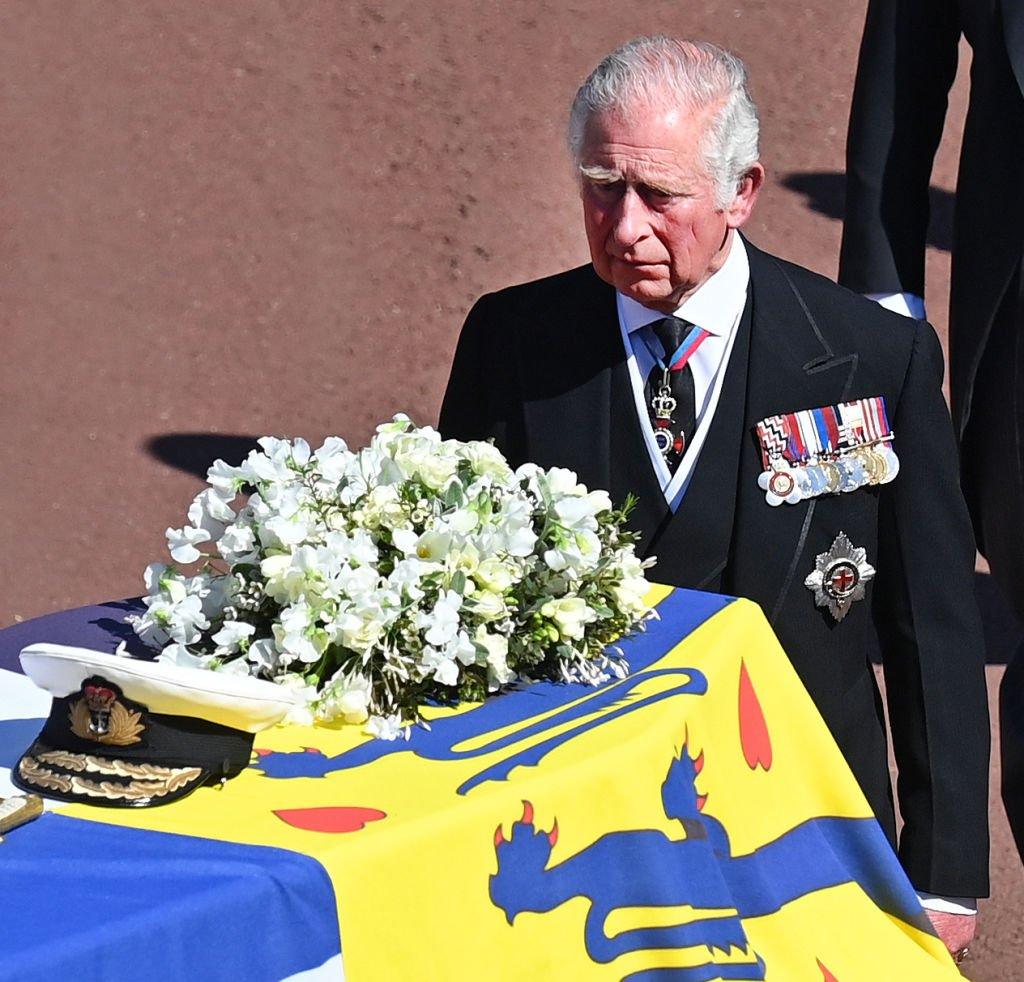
657, 195
607, 191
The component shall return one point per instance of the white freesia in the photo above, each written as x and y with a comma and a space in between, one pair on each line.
432, 547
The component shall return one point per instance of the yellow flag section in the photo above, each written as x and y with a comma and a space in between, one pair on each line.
692, 821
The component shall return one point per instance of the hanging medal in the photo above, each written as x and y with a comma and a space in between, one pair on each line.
668, 439
663, 406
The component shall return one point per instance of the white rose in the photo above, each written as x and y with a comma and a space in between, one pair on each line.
561, 481
486, 460
493, 574
489, 606
570, 615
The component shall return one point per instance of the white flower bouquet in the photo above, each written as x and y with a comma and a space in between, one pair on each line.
414, 570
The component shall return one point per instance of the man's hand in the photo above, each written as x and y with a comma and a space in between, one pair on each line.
955, 930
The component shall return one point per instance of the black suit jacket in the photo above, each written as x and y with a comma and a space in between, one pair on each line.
541, 369
907, 64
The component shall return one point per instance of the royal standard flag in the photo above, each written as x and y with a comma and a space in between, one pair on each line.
691, 821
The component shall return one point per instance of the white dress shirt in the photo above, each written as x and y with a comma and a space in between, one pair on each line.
907, 304
717, 307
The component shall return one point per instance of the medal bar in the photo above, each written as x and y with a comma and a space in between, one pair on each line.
828, 450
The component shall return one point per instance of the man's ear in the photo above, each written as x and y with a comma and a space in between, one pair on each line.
739, 209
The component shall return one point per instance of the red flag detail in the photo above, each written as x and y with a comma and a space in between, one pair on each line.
826, 975
757, 745
331, 819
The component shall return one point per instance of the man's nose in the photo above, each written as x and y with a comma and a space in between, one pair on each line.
630, 221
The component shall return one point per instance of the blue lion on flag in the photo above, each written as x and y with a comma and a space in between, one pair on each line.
698, 870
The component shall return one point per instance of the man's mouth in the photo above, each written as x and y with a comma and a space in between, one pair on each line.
636, 264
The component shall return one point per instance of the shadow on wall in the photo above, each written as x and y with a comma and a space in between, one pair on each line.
195, 452
825, 192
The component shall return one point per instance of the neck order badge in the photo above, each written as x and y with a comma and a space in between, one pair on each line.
695, 816
672, 402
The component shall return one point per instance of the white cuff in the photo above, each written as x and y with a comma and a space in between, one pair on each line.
948, 905
907, 304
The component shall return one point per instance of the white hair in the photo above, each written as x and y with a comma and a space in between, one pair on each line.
691, 75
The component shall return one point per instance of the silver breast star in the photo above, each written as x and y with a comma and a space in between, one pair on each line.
840, 576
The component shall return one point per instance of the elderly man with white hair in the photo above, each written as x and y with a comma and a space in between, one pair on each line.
787, 439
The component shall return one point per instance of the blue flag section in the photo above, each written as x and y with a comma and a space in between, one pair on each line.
86, 901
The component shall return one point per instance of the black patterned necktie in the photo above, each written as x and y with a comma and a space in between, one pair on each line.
670, 332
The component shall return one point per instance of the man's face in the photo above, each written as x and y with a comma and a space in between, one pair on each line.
654, 229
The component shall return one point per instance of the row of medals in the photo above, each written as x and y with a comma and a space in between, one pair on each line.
867, 465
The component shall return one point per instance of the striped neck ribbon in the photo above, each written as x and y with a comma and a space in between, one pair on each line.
687, 348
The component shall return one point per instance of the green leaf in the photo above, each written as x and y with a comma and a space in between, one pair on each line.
453, 495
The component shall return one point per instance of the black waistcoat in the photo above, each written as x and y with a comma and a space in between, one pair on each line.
692, 544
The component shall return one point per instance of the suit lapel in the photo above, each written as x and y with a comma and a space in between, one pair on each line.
693, 544
589, 421
792, 367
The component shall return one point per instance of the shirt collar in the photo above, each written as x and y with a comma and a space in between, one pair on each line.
714, 306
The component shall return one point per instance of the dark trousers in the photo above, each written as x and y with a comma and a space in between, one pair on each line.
992, 467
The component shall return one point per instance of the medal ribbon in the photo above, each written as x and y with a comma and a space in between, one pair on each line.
827, 432
826, 450
695, 337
